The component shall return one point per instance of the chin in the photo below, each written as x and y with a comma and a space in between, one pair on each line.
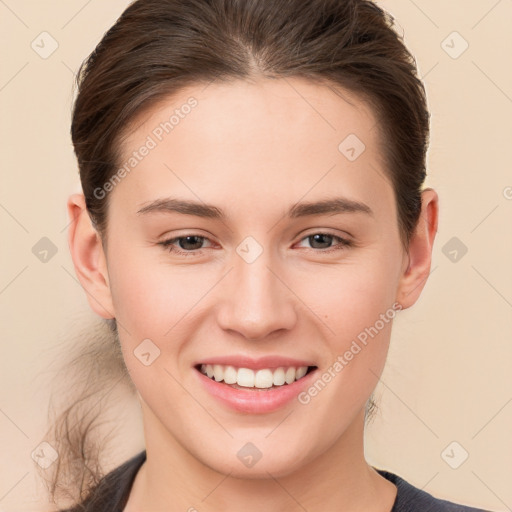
248, 463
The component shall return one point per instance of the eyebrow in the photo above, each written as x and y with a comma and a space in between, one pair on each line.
327, 206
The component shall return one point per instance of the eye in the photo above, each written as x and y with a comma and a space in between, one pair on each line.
191, 244
326, 238
189, 240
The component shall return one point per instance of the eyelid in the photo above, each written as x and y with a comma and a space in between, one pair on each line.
344, 242
166, 242
326, 231
315, 231
173, 237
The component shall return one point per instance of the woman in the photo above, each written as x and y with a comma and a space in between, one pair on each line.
252, 220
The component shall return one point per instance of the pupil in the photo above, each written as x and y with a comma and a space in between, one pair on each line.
320, 235
186, 239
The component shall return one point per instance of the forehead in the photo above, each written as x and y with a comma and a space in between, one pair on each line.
270, 139
301, 106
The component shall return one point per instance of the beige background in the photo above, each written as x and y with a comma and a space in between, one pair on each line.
448, 377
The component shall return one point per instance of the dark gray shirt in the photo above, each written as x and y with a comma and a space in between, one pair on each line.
111, 493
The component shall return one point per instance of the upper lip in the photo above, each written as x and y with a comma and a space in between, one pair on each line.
241, 361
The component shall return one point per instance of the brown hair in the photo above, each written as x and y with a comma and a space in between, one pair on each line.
158, 47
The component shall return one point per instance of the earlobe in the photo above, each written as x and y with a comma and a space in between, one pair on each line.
416, 273
88, 257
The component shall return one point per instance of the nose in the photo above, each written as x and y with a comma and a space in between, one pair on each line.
256, 301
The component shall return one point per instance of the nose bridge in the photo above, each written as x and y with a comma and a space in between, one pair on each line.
258, 303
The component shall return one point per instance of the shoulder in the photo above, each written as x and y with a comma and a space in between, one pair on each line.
412, 499
112, 491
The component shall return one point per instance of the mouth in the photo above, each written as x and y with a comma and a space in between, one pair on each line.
263, 379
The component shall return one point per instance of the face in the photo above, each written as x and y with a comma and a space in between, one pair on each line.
254, 276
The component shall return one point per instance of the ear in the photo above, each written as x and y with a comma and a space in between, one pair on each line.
88, 257
417, 269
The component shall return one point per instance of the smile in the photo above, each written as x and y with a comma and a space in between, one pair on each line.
263, 378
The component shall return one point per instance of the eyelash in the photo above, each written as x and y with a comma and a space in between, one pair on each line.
167, 244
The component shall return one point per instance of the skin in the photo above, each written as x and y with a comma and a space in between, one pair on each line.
254, 149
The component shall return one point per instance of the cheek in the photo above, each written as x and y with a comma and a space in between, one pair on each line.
148, 296
355, 303
352, 296
358, 310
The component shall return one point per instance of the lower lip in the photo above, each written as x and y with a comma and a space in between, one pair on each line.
254, 400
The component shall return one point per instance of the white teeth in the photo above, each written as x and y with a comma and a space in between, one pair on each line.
301, 371
290, 375
230, 374
218, 372
245, 377
279, 377
263, 379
